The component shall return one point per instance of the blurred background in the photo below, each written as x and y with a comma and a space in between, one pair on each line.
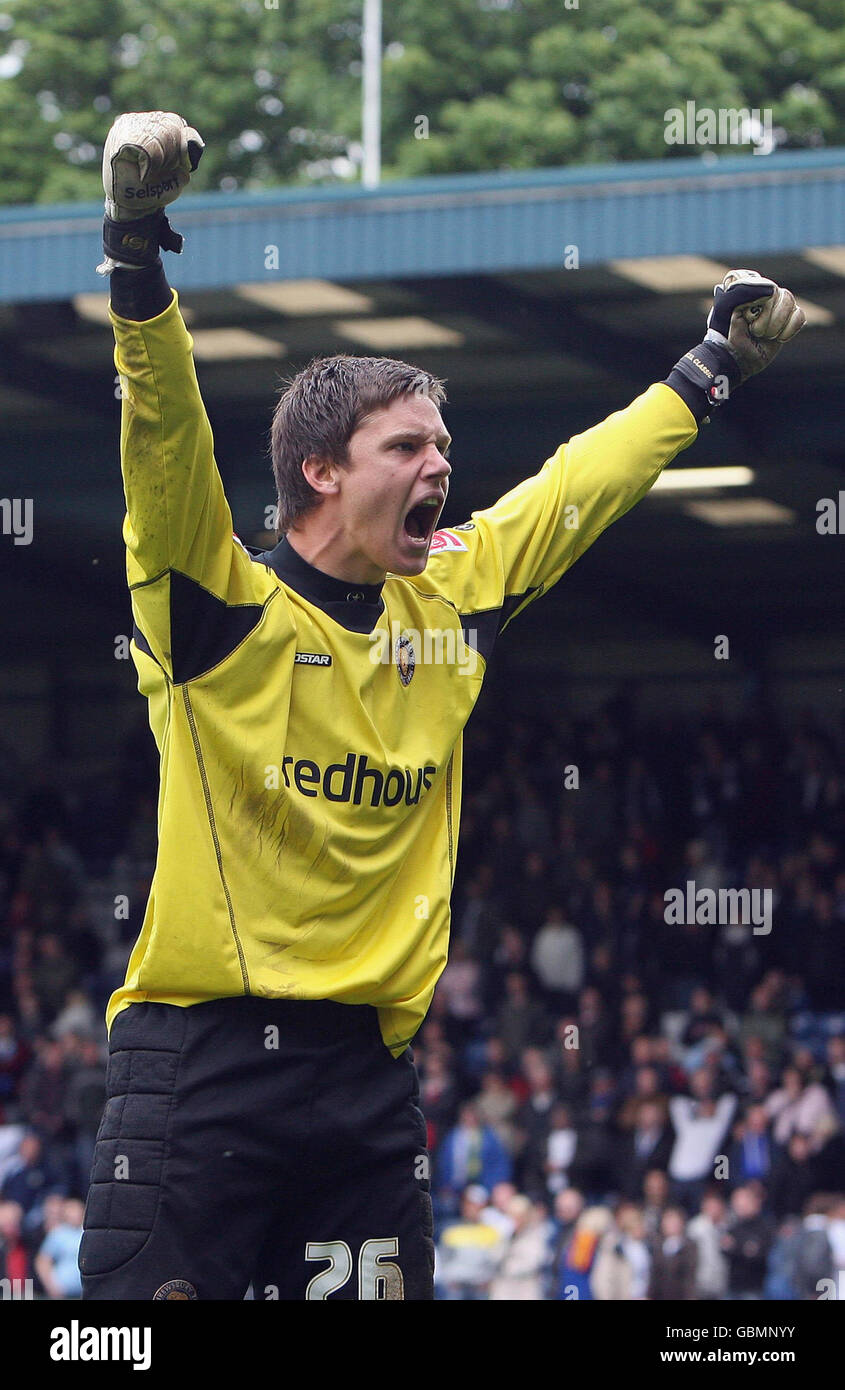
534, 200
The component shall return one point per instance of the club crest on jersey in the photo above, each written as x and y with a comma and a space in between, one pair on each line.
174, 1289
446, 540
405, 659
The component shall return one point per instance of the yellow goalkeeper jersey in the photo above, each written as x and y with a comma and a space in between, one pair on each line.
310, 730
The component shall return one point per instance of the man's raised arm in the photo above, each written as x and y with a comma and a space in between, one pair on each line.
508, 554
183, 564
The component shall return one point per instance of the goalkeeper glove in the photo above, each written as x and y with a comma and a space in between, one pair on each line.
749, 323
148, 159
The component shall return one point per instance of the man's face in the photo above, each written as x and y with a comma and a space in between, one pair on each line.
392, 493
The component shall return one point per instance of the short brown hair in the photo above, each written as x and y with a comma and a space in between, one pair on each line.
319, 410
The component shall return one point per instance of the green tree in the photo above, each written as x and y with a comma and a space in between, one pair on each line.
599, 80
274, 85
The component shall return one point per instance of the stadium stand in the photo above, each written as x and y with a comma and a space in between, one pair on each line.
619, 1107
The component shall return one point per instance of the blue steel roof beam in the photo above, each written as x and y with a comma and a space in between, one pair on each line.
460, 224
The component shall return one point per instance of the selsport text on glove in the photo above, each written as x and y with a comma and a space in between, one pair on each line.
148, 159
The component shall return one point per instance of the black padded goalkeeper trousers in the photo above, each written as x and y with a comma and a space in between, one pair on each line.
271, 1143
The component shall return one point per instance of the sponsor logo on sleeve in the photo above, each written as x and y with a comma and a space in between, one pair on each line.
446, 540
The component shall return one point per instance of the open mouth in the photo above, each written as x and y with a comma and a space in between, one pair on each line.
420, 522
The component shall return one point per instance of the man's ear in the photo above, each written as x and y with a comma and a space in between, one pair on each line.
321, 473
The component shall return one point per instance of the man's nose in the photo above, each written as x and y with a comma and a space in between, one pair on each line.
437, 464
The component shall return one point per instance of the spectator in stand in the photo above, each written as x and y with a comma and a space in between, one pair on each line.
746, 1243
471, 1154
532, 819
646, 1090
509, 954
623, 1262
495, 1058
594, 1031
795, 1177
560, 1149
594, 1164
468, 1251
702, 1019
10, 1142
800, 1107
758, 1082
723, 1062
30, 1022
706, 1231
530, 904
701, 1125
779, 1283
814, 1261
836, 1236
567, 1063
672, 1075
14, 1257
533, 1119
674, 1260
479, 918
55, 973
522, 1021
557, 959
576, 1261
764, 1019
497, 1106
522, 1261
825, 965
647, 1146
835, 1075
634, 1013
596, 810
751, 1153
30, 1179
77, 1017
51, 876
496, 1211
568, 1206
655, 1199
84, 1101
14, 1057
43, 1092
639, 1056
57, 1261
460, 986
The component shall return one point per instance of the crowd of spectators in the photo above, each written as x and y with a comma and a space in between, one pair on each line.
619, 1105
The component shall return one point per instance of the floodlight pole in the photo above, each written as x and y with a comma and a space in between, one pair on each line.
371, 113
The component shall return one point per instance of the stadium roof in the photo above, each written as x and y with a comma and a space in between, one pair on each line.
458, 225
532, 351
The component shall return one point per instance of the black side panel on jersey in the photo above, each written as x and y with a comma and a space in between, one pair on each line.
482, 629
142, 644
203, 629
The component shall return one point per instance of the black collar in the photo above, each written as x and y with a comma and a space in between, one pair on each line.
355, 606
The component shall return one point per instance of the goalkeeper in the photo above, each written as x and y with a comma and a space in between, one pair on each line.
262, 1123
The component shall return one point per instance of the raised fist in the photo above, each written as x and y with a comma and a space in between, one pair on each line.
753, 317
148, 159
